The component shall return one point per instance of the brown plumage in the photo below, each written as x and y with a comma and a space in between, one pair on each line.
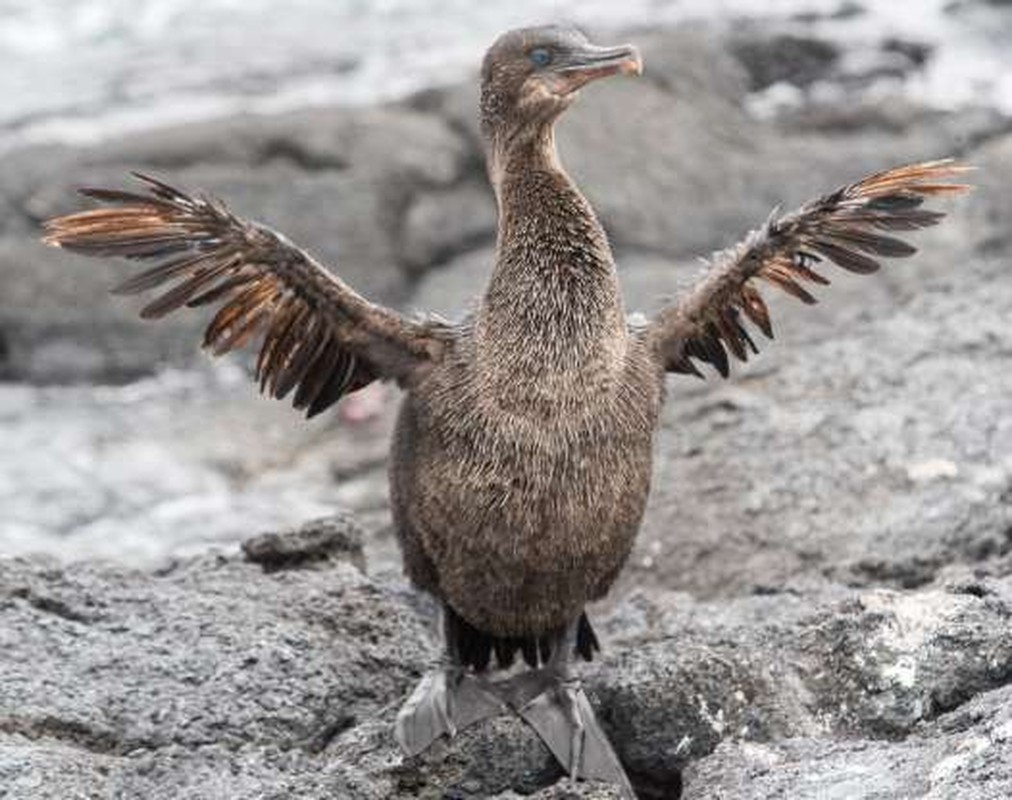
522, 456
318, 337
845, 227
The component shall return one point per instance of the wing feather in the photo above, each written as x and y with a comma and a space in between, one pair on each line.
318, 336
843, 227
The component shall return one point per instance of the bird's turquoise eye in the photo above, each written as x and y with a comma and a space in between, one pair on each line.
540, 56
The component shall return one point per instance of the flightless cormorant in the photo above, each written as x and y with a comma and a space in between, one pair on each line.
522, 455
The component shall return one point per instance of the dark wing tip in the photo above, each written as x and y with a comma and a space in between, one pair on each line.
118, 196
161, 189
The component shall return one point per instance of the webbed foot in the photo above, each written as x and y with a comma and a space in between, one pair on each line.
558, 710
445, 701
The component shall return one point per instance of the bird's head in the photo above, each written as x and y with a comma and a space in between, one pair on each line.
531, 75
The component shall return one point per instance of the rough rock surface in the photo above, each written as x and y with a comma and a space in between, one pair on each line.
216, 678
819, 605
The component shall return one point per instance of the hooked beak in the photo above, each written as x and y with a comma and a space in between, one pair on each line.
590, 62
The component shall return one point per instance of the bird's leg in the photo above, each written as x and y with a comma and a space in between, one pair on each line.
569, 690
446, 700
552, 701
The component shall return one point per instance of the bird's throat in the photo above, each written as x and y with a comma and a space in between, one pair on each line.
516, 152
553, 301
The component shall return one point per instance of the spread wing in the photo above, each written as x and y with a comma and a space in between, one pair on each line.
851, 227
320, 338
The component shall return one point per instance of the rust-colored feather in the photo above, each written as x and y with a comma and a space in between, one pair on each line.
752, 303
180, 294
276, 349
843, 227
265, 285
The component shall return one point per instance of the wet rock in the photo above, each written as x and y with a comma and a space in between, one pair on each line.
916, 52
848, 9
174, 464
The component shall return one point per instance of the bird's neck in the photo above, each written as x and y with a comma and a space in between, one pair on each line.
527, 150
554, 292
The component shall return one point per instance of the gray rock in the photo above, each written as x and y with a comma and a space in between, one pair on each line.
986, 220
802, 666
214, 678
58, 322
645, 166
451, 289
889, 115
190, 671
788, 58
963, 755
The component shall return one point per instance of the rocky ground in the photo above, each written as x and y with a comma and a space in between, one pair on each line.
220, 677
819, 603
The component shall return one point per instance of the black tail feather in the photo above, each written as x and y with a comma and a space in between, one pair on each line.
586, 639
475, 648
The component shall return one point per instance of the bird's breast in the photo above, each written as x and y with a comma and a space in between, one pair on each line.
525, 503
529, 434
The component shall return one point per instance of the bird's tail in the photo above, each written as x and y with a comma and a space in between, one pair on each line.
476, 648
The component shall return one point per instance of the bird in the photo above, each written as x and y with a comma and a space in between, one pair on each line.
521, 459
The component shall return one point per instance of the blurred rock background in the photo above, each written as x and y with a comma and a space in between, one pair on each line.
822, 587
